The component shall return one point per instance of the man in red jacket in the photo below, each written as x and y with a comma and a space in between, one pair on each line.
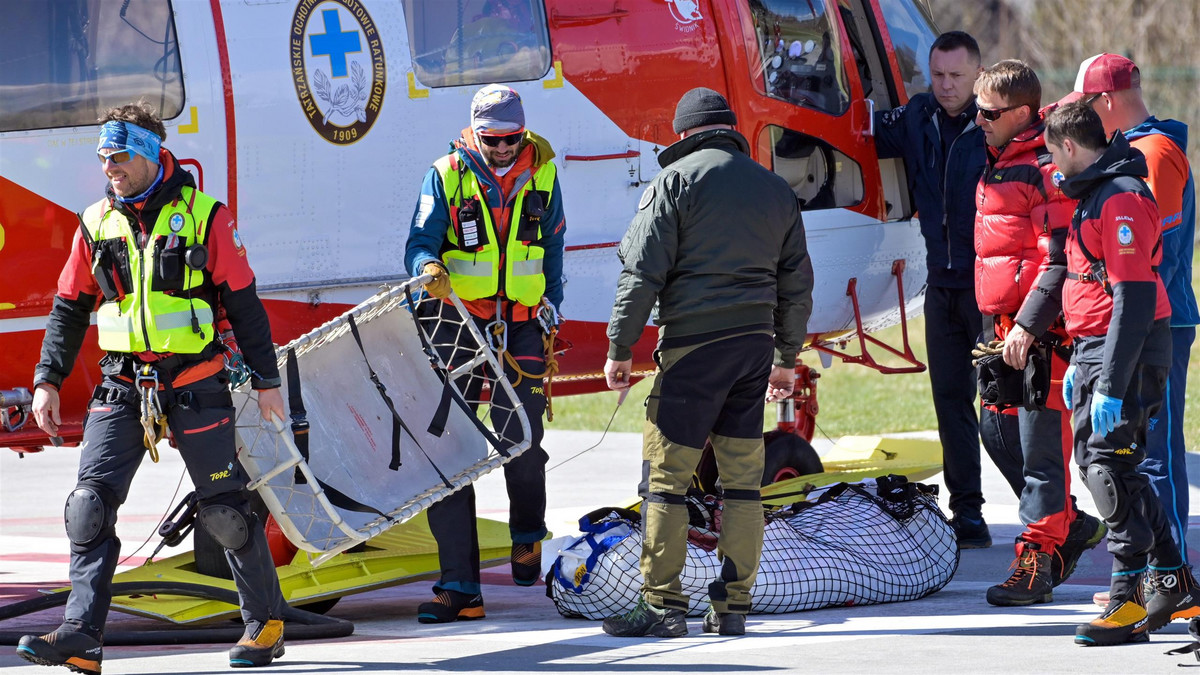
1116, 309
1019, 207
154, 261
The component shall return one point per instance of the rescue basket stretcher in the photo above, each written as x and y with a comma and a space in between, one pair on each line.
388, 393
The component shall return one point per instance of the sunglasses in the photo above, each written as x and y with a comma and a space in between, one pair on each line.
993, 115
120, 157
511, 139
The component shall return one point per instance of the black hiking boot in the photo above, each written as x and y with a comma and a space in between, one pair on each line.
646, 620
1085, 533
724, 623
971, 532
1029, 583
67, 646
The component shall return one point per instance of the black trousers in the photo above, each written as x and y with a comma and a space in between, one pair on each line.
452, 520
1138, 533
111, 453
952, 325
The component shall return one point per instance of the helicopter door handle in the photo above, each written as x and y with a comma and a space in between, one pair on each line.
870, 117
559, 20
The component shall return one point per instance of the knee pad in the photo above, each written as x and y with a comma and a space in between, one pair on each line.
229, 525
1108, 491
90, 515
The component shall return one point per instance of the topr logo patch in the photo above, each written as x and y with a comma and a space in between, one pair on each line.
1124, 235
338, 68
1057, 177
176, 222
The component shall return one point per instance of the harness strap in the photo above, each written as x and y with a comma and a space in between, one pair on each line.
300, 436
397, 422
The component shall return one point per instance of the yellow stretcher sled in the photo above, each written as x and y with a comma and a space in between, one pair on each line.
407, 552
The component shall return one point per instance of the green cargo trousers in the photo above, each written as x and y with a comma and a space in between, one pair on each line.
714, 391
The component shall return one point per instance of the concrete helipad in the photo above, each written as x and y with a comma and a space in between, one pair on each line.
953, 630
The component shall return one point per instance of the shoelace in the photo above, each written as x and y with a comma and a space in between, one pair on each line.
1023, 570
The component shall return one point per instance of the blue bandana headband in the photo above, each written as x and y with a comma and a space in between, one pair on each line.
116, 135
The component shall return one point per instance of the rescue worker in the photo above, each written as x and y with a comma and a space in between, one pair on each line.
943, 151
1019, 208
489, 226
1113, 86
1117, 311
718, 247
154, 259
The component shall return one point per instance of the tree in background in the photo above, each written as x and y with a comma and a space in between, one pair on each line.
1053, 36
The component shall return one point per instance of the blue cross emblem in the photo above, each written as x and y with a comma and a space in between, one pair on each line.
335, 43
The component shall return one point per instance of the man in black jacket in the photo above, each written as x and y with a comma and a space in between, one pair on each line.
718, 245
156, 259
943, 152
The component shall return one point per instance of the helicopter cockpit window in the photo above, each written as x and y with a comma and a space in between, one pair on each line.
797, 57
912, 33
820, 175
463, 42
64, 62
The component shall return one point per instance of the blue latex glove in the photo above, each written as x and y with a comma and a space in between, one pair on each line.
1106, 412
1069, 387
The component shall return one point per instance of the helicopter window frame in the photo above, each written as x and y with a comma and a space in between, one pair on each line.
821, 176
912, 32
801, 64
64, 62
456, 43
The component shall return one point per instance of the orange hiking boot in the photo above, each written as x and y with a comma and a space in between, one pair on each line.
1171, 594
448, 606
526, 560
260, 644
1123, 621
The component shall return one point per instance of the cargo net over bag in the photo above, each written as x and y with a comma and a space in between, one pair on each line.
856, 544
393, 406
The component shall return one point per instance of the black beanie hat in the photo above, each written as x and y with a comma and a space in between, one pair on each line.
699, 107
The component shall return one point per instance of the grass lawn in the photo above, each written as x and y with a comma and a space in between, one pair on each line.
853, 399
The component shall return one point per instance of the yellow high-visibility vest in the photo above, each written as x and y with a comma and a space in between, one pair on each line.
478, 273
146, 318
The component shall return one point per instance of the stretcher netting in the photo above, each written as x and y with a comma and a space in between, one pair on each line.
379, 451
857, 544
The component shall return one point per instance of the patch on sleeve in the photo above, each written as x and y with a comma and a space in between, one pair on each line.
647, 197
424, 208
892, 116
1125, 235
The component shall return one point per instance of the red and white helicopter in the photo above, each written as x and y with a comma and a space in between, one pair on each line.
314, 120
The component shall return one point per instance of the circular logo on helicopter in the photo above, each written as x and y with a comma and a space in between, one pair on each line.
685, 11
338, 68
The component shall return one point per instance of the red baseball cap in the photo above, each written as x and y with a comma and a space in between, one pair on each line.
1107, 72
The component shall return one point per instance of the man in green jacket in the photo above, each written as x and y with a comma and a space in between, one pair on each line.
718, 245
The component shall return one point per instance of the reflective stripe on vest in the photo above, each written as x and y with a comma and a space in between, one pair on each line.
477, 274
151, 320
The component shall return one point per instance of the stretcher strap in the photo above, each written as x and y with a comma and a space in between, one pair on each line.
397, 422
449, 392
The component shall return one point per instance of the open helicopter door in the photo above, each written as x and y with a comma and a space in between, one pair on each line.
389, 390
